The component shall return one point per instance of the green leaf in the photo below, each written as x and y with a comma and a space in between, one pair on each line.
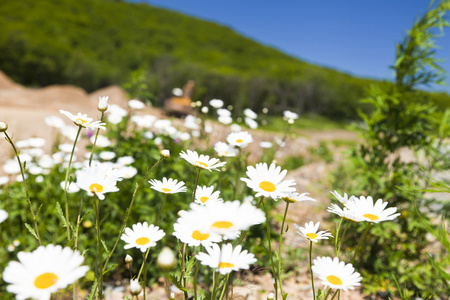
104, 246
175, 282
110, 268
61, 214
31, 230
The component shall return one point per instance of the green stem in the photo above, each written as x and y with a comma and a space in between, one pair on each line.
142, 266
225, 284
196, 275
310, 269
144, 282
239, 164
213, 294
127, 214
336, 239
36, 228
195, 186
270, 252
342, 238
361, 240
99, 248
95, 140
160, 209
279, 249
65, 183
183, 271
335, 293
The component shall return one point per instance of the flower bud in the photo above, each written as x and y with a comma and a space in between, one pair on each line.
205, 109
102, 103
128, 259
165, 153
271, 296
166, 259
135, 287
3, 126
172, 296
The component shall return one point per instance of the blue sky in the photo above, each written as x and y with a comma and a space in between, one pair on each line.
357, 37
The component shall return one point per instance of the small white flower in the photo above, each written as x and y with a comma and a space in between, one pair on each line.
164, 153
336, 274
345, 213
296, 197
341, 199
250, 113
240, 139
83, 120
201, 161
226, 259
71, 187
115, 109
310, 231
4, 180
205, 195
135, 287
216, 103
223, 149
102, 103
168, 186
54, 122
107, 155
3, 215
125, 160
224, 112
115, 118
265, 145
136, 104
365, 209
225, 120
142, 236
98, 179
290, 115
251, 123
127, 172
267, 181
128, 259
177, 92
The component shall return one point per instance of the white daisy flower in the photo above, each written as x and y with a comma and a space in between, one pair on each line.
177, 92
343, 199
310, 231
115, 118
235, 128
225, 119
83, 120
98, 179
127, 172
223, 149
202, 161
345, 213
142, 236
216, 103
107, 155
226, 259
251, 123
336, 274
44, 271
71, 186
240, 139
266, 145
101, 142
224, 112
267, 181
54, 121
296, 197
205, 195
195, 233
167, 186
144, 121
4, 180
290, 115
117, 110
250, 113
136, 104
67, 148
369, 212
3, 215
225, 218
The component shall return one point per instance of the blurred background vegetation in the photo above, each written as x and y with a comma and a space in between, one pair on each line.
96, 43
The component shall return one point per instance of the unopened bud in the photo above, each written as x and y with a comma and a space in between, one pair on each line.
165, 153
172, 296
128, 259
3, 126
135, 287
102, 103
166, 259
271, 296
205, 109
290, 121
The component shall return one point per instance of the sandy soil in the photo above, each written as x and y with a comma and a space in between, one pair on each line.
24, 110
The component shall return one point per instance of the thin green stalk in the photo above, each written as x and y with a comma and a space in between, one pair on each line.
195, 186
360, 241
99, 248
270, 252
144, 282
142, 266
127, 214
279, 249
336, 239
310, 269
160, 209
183, 271
213, 294
335, 293
239, 164
24, 181
196, 274
95, 140
225, 284
65, 183
342, 238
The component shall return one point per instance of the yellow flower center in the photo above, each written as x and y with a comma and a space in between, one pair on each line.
222, 224
239, 141
45, 280
80, 122
202, 163
334, 280
96, 188
311, 235
370, 216
225, 265
166, 190
197, 235
267, 186
204, 199
142, 240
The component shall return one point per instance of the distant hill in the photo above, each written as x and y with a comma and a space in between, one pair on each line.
96, 43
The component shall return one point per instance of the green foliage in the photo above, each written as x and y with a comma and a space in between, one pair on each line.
403, 119
151, 50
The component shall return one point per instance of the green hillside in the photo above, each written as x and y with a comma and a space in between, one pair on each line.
95, 43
